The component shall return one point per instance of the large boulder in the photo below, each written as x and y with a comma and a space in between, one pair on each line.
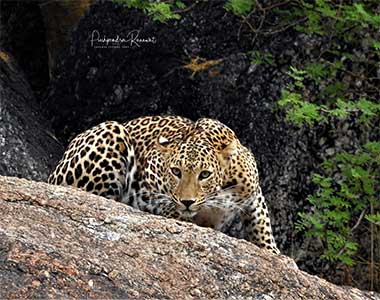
27, 146
58, 242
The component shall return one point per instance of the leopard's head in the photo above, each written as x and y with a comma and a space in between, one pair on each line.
193, 172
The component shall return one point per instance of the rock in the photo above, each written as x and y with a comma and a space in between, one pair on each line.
59, 19
54, 242
23, 35
27, 148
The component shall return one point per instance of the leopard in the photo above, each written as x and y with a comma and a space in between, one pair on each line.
193, 171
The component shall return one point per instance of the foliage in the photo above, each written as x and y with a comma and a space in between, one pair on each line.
258, 58
374, 218
161, 11
343, 69
337, 81
346, 192
340, 81
301, 111
240, 7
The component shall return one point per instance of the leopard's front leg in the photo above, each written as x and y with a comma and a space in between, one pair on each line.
255, 218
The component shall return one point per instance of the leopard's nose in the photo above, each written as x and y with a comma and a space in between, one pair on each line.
187, 203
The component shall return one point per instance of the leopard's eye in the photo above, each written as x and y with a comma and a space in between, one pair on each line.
204, 175
176, 172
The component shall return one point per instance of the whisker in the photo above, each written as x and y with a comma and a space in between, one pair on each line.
219, 201
223, 203
158, 196
224, 190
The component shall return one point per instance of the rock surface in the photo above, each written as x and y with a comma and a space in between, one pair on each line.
58, 242
27, 147
23, 35
59, 19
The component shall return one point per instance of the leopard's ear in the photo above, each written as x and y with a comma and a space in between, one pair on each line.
228, 151
163, 143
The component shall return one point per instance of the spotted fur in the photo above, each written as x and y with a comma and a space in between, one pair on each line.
171, 166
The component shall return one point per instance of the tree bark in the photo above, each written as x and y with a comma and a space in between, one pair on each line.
60, 242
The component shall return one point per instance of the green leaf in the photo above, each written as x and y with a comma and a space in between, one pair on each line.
157, 10
161, 12
296, 74
180, 4
376, 45
373, 147
375, 218
347, 260
336, 89
239, 7
368, 186
317, 71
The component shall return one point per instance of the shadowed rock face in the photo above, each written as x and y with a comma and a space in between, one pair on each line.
60, 242
59, 19
23, 35
27, 148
